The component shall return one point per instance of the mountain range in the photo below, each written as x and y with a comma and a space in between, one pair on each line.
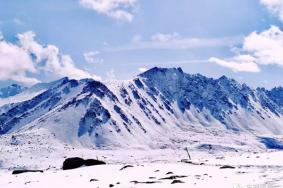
160, 108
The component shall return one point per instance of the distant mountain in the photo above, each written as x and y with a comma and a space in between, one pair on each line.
159, 108
11, 90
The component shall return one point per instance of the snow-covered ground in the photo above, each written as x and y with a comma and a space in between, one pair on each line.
38, 149
263, 170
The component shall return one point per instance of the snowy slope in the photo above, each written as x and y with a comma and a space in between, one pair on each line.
25, 94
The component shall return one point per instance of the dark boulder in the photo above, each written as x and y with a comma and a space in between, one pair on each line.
76, 162
72, 163
92, 162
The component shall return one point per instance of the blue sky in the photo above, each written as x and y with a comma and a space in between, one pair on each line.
211, 37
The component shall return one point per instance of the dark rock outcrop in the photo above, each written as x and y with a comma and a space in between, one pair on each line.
177, 181
127, 166
25, 171
92, 162
76, 162
227, 167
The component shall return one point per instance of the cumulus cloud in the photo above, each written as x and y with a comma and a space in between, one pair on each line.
15, 64
241, 63
275, 7
266, 47
117, 9
30, 57
56, 63
93, 57
263, 48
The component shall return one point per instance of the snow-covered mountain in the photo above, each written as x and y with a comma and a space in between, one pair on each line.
11, 90
160, 108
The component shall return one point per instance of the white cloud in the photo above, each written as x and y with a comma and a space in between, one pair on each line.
241, 63
17, 61
275, 7
161, 37
142, 69
93, 57
265, 48
117, 9
28, 43
56, 63
175, 41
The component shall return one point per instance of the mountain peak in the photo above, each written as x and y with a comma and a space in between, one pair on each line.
160, 70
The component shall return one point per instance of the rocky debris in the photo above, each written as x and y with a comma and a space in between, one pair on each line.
127, 166
91, 180
14, 140
169, 173
177, 181
145, 182
25, 171
76, 162
191, 162
173, 177
27, 182
186, 161
227, 167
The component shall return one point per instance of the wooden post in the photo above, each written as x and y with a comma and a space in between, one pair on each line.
188, 153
